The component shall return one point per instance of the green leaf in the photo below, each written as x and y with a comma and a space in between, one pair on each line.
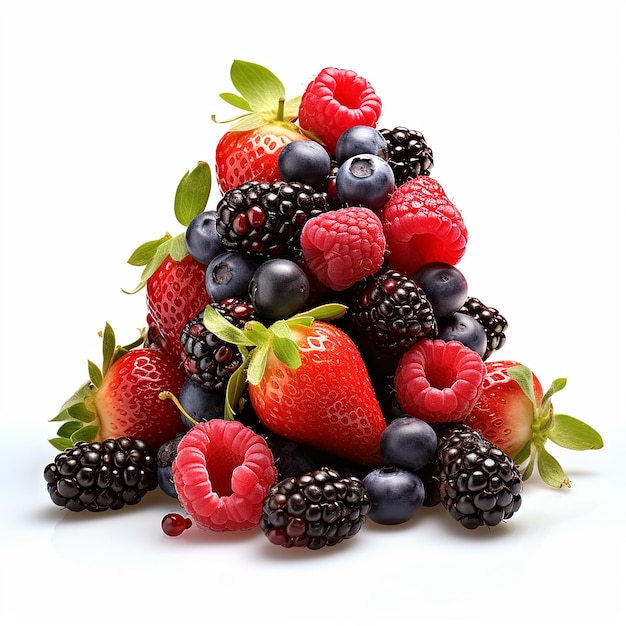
146, 251
529, 468
61, 443
292, 108
222, 328
257, 85
286, 351
67, 429
248, 122
81, 413
95, 375
524, 378
108, 347
256, 333
192, 193
550, 470
574, 434
258, 362
178, 247
329, 311
523, 454
78, 396
281, 328
234, 390
555, 387
86, 433
236, 100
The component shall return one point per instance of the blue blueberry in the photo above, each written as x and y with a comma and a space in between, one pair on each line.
164, 458
365, 180
202, 239
464, 328
408, 442
396, 494
279, 289
304, 161
228, 276
200, 403
444, 285
361, 140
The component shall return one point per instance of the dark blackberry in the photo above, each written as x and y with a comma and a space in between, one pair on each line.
314, 510
208, 360
491, 320
409, 155
479, 485
265, 220
99, 476
390, 312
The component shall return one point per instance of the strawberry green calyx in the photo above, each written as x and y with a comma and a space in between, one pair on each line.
78, 414
256, 342
192, 195
261, 95
563, 430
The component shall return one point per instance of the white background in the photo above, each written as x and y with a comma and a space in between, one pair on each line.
106, 105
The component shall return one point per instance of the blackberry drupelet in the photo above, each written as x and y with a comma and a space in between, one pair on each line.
100, 476
265, 219
314, 510
409, 155
208, 360
491, 320
390, 312
479, 485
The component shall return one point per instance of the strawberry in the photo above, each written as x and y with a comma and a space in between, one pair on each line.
121, 399
514, 413
249, 149
306, 382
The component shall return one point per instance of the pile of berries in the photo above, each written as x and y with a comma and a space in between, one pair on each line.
312, 357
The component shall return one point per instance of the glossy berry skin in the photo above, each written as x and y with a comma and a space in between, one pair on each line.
395, 494
365, 180
464, 328
408, 442
164, 458
202, 239
445, 287
228, 276
278, 289
200, 403
174, 524
304, 161
361, 139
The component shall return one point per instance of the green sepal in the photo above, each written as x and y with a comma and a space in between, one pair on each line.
80, 412
550, 470
557, 385
524, 378
143, 254
573, 434
255, 334
68, 429
222, 328
234, 390
258, 362
236, 100
192, 193
61, 443
523, 454
286, 351
95, 373
329, 312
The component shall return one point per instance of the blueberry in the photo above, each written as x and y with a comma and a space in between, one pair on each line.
304, 161
361, 140
408, 442
200, 403
395, 494
202, 239
279, 289
444, 285
164, 458
365, 180
228, 276
464, 328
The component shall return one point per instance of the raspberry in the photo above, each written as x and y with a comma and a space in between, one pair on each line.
439, 381
336, 100
222, 473
343, 246
422, 226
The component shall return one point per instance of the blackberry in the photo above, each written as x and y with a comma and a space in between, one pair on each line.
390, 312
265, 219
491, 320
314, 510
208, 360
479, 485
409, 155
99, 476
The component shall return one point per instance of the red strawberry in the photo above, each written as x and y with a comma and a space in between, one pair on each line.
336, 100
249, 149
513, 413
422, 226
307, 382
343, 246
122, 398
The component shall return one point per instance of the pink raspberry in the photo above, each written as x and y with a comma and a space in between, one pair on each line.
422, 226
439, 381
222, 473
336, 100
343, 246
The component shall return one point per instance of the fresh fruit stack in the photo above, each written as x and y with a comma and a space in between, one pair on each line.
313, 357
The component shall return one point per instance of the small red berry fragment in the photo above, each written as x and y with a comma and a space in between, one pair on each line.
174, 524
222, 473
343, 246
422, 226
439, 381
336, 100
